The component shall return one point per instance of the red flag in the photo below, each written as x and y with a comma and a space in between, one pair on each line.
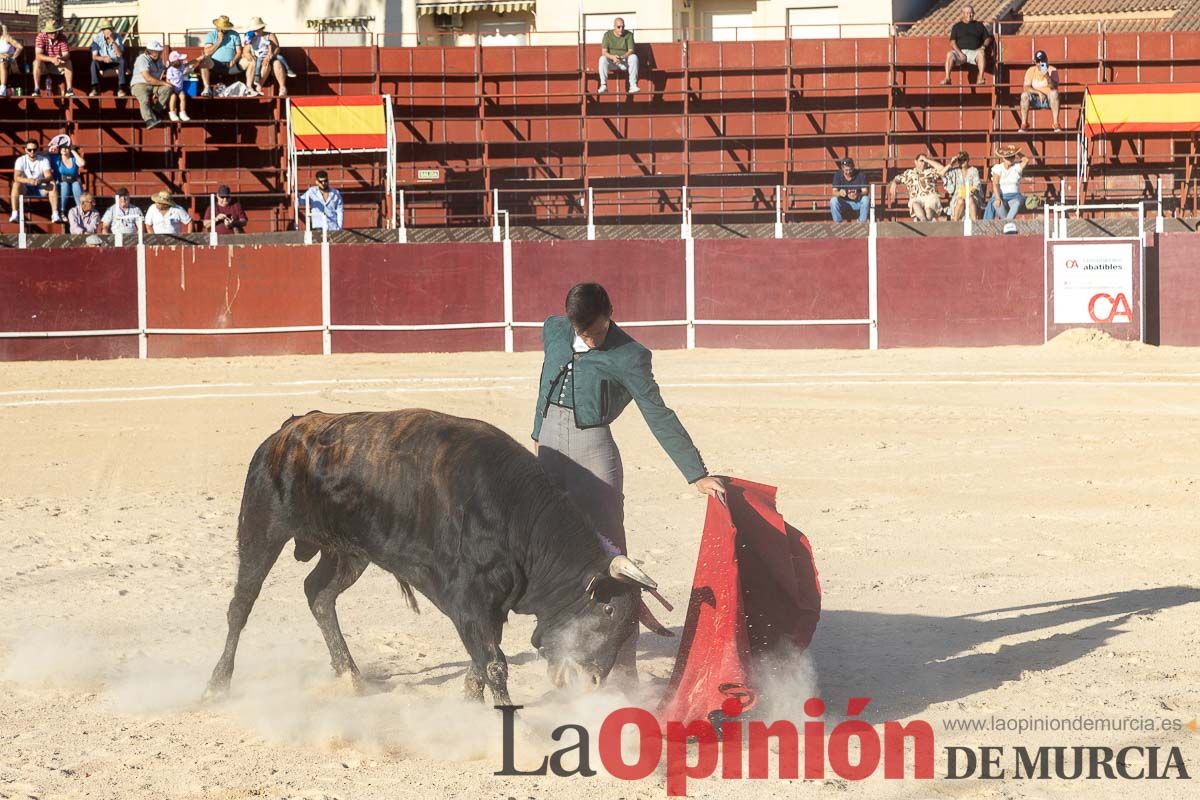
756, 588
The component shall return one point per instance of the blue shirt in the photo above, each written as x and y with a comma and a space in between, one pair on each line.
326, 213
856, 187
230, 43
102, 47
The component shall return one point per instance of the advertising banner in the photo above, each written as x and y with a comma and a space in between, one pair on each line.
1093, 283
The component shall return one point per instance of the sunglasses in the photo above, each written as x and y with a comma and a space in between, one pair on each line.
30, 149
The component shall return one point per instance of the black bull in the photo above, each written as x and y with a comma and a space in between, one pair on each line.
453, 508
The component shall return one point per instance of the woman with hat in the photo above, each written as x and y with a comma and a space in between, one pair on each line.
166, 217
66, 162
1005, 197
221, 55
591, 371
10, 53
52, 56
108, 52
260, 52
962, 184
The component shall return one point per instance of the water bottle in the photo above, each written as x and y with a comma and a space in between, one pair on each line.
16, 91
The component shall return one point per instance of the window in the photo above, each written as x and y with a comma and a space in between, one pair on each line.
813, 22
595, 25
730, 27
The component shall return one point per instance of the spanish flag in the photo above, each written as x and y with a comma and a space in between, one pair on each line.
1142, 108
339, 123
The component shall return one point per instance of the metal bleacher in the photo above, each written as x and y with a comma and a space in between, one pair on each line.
731, 121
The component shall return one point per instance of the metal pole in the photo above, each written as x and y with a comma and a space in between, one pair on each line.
1142, 272
212, 213
402, 231
778, 212
872, 204
1158, 221
685, 227
591, 223
143, 342
307, 220
873, 279
1045, 273
496, 215
22, 241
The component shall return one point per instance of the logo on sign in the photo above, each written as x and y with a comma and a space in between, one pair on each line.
1071, 264
1116, 307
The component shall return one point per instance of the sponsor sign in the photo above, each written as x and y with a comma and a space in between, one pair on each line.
429, 174
1093, 283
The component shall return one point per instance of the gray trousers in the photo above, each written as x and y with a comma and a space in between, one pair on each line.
147, 94
587, 466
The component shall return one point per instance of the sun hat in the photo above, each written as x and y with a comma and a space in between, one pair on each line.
59, 140
1007, 151
222, 22
161, 197
52, 27
256, 24
106, 25
176, 56
154, 46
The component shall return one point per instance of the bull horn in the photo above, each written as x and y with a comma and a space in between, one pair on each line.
623, 569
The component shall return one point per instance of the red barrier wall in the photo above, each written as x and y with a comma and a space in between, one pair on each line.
68, 289
233, 287
416, 284
960, 292
644, 278
1178, 289
781, 279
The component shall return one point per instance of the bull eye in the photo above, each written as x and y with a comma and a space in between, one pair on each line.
608, 609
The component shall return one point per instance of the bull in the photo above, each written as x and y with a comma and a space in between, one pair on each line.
455, 509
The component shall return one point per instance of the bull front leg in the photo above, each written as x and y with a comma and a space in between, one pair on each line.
488, 664
473, 684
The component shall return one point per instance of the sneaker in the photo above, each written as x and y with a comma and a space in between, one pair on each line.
291, 73
183, 117
68, 93
171, 115
3, 91
207, 92
603, 88
94, 93
122, 93
282, 92
153, 123
55, 217
634, 89
13, 217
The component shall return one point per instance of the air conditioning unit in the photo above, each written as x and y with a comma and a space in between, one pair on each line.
448, 22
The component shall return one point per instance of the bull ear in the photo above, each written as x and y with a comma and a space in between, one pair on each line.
623, 569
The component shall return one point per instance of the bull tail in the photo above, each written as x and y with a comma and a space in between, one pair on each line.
410, 596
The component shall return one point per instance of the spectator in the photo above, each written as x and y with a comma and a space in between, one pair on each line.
230, 218
261, 55
148, 85
851, 192
10, 54
52, 56
963, 185
108, 52
84, 218
616, 52
324, 204
94, 241
177, 64
1005, 196
66, 162
924, 205
1040, 89
166, 217
33, 176
222, 49
123, 217
969, 41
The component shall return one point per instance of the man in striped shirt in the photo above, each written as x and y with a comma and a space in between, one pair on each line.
52, 56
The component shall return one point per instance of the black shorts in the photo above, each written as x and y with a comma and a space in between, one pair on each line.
223, 69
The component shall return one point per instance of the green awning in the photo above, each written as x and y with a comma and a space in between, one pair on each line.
501, 7
80, 30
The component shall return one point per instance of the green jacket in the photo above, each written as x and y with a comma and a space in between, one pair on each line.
604, 381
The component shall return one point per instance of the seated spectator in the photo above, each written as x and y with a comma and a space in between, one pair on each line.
33, 176
851, 192
177, 65
149, 85
324, 204
84, 218
66, 162
260, 56
52, 56
10, 54
1005, 196
1040, 89
230, 218
924, 205
969, 41
108, 52
166, 217
221, 55
616, 52
962, 184
123, 217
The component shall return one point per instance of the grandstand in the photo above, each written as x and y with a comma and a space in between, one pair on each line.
728, 120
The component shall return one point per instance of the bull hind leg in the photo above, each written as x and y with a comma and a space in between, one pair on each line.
256, 556
334, 574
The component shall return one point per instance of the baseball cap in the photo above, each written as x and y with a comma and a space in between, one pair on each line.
176, 57
155, 46
223, 191
1039, 56
1010, 227
846, 162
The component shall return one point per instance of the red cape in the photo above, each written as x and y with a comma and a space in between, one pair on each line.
756, 588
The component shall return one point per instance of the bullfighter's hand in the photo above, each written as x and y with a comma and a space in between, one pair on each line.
712, 486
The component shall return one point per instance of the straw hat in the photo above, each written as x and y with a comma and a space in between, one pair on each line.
222, 23
52, 27
106, 25
1007, 151
256, 24
161, 198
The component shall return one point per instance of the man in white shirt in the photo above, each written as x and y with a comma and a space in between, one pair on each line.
166, 217
33, 176
123, 217
1006, 198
